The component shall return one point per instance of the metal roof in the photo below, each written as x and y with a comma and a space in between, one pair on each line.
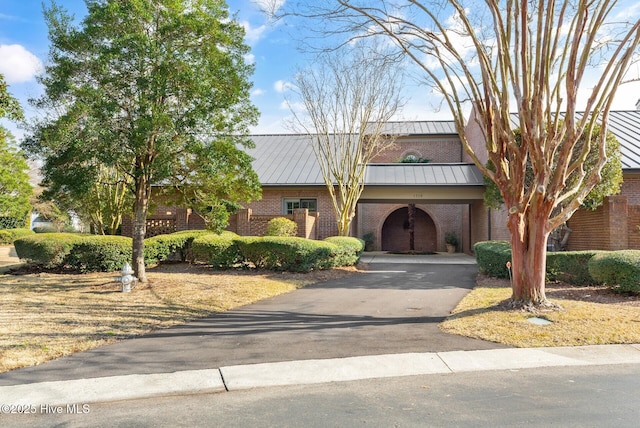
424, 127
289, 160
625, 125
423, 174
285, 160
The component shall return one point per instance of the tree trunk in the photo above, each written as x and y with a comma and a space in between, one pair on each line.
528, 259
140, 210
411, 214
343, 225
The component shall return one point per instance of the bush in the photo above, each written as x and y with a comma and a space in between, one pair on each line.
369, 239
172, 246
48, 250
281, 226
99, 253
12, 223
348, 250
219, 251
7, 236
618, 269
286, 254
571, 267
492, 257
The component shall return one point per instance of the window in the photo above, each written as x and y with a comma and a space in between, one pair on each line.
291, 204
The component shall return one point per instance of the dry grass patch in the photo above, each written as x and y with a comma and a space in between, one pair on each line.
45, 315
590, 316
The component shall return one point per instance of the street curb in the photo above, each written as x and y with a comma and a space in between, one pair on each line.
115, 388
304, 372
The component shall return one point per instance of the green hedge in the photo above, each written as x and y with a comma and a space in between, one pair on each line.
618, 269
276, 253
286, 253
88, 253
219, 251
571, 267
173, 246
98, 253
8, 236
492, 257
12, 223
49, 250
348, 252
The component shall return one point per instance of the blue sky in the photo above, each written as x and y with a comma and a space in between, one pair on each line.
24, 47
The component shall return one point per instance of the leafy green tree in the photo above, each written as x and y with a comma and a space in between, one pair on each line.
9, 106
157, 90
15, 189
99, 201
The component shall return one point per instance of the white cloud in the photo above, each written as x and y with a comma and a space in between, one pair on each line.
252, 35
257, 92
18, 64
250, 58
281, 86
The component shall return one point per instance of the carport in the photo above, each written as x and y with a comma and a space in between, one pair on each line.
428, 186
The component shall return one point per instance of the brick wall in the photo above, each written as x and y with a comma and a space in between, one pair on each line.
475, 137
611, 226
272, 204
436, 220
633, 227
438, 149
166, 219
246, 223
631, 188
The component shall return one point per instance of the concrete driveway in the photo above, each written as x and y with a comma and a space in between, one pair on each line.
393, 307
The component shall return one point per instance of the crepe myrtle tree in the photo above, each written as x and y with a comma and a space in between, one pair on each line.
348, 96
497, 57
157, 90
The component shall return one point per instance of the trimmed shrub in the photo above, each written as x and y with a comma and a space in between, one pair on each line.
618, 269
7, 236
219, 251
348, 251
12, 223
48, 250
172, 246
571, 267
286, 254
492, 257
281, 226
99, 253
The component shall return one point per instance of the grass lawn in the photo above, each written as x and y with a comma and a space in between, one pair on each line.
45, 315
590, 316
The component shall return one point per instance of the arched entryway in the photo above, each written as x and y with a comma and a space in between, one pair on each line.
396, 236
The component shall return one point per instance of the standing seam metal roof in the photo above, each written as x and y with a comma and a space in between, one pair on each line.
288, 159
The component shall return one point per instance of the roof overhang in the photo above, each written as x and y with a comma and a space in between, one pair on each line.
422, 194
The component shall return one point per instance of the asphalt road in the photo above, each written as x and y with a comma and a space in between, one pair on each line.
594, 396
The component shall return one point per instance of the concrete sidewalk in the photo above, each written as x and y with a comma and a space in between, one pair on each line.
235, 378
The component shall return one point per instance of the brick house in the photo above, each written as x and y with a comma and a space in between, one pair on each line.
447, 193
